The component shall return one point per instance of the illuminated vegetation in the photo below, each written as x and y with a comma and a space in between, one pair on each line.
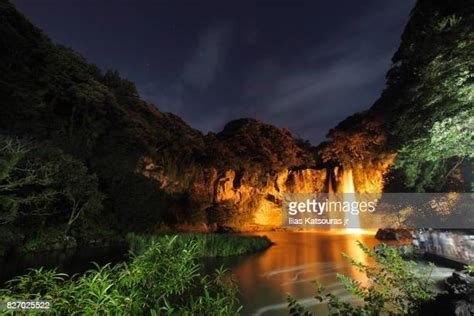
164, 279
470, 270
435, 123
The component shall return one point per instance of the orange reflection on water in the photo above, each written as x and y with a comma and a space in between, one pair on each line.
296, 259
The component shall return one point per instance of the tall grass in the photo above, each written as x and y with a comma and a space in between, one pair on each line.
164, 279
208, 245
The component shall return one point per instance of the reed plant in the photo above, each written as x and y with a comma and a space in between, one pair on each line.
207, 244
163, 279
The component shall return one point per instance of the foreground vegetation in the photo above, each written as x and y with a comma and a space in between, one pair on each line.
470, 269
396, 287
164, 278
207, 245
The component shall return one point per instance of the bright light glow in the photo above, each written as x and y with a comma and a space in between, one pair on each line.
348, 190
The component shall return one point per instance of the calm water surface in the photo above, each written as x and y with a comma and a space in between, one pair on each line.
296, 259
289, 266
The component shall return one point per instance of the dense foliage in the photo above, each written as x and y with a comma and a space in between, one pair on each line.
165, 279
426, 160
396, 287
435, 61
207, 245
44, 194
54, 97
247, 144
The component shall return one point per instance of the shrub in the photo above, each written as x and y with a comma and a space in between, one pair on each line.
164, 279
44, 192
470, 270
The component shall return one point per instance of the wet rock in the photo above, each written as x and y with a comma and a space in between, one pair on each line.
461, 284
463, 308
393, 234
461, 290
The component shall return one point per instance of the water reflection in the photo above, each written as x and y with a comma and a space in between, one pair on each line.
292, 263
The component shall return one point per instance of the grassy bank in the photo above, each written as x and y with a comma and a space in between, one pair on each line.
207, 245
164, 278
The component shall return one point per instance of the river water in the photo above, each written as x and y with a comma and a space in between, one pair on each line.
289, 266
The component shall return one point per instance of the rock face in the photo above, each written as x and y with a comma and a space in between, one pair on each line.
263, 200
247, 168
461, 290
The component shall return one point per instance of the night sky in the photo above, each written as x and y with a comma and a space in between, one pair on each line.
302, 65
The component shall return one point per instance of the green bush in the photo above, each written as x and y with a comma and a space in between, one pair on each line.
470, 269
396, 287
46, 195
164, 279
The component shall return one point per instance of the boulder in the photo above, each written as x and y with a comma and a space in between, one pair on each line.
461, 284
393, 234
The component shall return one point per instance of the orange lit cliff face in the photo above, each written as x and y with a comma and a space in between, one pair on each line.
250, 165
264, 201
255, 199
356, 161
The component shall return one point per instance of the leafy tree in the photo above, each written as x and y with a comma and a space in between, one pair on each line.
470, 269
396, 287
23, 183
424, 160
77, 188
356, 139
41, 187
431, 83
125, 90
